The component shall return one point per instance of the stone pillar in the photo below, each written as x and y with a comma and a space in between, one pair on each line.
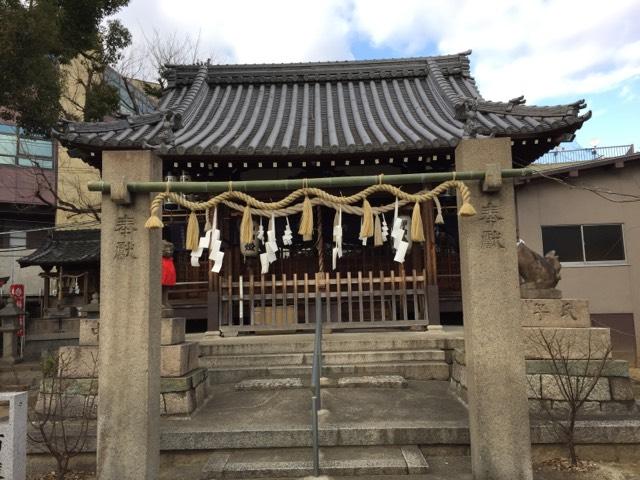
13, 437
130, 303
497, 396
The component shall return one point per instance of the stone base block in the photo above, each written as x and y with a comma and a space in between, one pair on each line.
178, 360
67, 405
373, 381
532, 292
82, 361
178, 403
89, 331
577, 342
552, 387
79, 397
612, 393
78, 361
182, 384
621, 389
547, 312
172, 330
269, 384
184, 402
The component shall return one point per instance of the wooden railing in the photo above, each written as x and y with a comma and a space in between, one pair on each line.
287, 303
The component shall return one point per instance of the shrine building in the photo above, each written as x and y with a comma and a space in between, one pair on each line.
308, 120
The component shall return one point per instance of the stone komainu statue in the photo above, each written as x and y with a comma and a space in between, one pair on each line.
536, 271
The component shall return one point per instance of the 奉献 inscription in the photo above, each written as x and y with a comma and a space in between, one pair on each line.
568, 310
491, 216
124, 246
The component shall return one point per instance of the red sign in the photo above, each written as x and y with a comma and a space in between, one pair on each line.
17, 292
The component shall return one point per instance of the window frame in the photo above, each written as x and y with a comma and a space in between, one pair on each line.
35, 160
592, 263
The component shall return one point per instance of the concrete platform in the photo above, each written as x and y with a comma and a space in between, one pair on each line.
425, 413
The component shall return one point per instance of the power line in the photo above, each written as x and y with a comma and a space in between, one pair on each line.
57, 228
600, 192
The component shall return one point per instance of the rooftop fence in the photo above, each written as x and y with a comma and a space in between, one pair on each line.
583, 154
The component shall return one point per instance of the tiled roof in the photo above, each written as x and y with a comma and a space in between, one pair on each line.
66, 247
321, 108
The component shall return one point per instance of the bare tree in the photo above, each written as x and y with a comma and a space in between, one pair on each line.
577, 368
147, 60
69, 195
62, 417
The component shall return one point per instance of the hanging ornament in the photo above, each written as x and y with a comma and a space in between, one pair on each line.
215, 252
260, 234
363, 239
337, 238
271, 245
397, 232
288, 234
377, 232
385, 228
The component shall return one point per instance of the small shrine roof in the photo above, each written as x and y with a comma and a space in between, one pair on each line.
322, 108
65, 247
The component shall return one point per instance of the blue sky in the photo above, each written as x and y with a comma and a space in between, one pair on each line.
551, 51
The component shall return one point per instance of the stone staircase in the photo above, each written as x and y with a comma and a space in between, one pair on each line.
283, 362
412, 355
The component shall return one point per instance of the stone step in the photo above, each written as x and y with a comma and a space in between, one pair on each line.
429, 370
298, 462
369, 381
329, 358
338, 342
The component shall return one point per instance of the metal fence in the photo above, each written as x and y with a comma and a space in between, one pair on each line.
583, 154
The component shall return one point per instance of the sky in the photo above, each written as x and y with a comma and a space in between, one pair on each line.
550, 51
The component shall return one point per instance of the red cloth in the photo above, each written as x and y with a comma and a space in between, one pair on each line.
168, 272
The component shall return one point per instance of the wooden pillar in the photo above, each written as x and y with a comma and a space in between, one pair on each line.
129, 351
430, 265
213, 290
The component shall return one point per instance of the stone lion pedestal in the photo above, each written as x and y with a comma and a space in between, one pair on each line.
565, 322
183, 385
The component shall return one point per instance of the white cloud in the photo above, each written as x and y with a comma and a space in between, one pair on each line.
542, 48
252, 31
627, 94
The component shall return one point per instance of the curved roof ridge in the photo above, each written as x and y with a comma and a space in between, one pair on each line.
323, 108
370, 69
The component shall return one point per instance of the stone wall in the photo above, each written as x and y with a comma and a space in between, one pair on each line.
612, 394
183, 385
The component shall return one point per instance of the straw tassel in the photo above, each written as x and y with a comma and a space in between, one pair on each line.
439, 218
246, 226
366, 230
377, 233
153, 222
193, 232
417, 230
466, 210
306, 222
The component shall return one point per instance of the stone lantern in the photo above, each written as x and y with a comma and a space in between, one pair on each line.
9, 326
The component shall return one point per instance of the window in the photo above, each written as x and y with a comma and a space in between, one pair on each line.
585, 243
18, 149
